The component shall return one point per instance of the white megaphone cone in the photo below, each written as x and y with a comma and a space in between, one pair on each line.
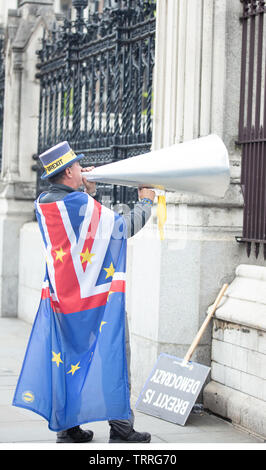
199, 166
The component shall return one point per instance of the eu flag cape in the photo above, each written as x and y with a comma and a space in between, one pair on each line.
75, 369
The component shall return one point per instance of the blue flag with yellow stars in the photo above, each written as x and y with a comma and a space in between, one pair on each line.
75, 368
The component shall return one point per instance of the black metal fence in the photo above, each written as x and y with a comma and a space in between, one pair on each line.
2, 91
96, 79
252, 124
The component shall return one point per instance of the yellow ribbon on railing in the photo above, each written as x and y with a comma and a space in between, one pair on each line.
161, 214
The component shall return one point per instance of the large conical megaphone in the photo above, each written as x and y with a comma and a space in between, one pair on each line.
199, 166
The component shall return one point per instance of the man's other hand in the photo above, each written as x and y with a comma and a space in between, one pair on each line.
146, 193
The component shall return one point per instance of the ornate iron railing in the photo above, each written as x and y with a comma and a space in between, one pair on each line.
2, 92
252, 124
96, 85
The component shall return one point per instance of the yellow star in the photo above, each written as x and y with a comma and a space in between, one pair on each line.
110, 271
59, 254
56, 358
86, 256
73, 368
102, 323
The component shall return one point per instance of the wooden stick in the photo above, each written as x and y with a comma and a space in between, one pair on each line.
204, 325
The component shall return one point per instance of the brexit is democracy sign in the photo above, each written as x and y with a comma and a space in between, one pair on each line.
172, 389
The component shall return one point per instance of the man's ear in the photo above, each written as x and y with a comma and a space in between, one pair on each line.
68, 172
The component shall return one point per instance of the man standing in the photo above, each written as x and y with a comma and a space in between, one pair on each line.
87, 248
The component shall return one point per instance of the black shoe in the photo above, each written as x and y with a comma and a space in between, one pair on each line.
75, 434
132, 437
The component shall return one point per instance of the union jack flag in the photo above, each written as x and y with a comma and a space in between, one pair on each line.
75, 369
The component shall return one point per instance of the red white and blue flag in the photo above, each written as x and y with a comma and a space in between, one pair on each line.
75, 369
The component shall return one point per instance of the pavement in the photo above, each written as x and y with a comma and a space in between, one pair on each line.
20, 428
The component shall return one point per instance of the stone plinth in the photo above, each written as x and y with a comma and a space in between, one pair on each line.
238, 368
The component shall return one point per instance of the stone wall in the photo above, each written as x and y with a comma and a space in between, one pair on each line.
237, 390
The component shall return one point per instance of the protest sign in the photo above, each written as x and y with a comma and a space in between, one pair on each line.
172, 389
174, 384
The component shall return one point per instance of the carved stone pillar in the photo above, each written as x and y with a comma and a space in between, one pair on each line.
21, 108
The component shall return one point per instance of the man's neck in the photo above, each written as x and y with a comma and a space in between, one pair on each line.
68, 183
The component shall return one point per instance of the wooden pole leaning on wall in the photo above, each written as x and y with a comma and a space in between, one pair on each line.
204, 325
